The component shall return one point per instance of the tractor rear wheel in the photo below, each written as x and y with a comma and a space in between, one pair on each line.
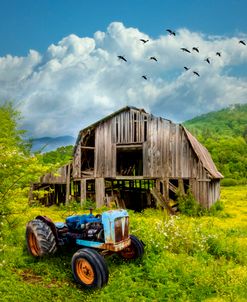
89, 268
40, 238
134, 250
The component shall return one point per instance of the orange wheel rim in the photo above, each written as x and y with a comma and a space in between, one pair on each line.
84, 271
128, 252
33, 244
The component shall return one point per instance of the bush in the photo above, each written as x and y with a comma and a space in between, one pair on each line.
228, 182
188, 205
217, 207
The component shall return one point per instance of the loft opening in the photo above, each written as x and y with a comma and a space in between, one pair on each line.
130, 160
87, 151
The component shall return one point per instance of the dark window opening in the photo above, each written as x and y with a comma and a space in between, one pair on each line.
89, 139
132, 194
129, 161
186, 185
173, 187
90, 189
135, 128
87, 152
145, 129
161, 188
87, 159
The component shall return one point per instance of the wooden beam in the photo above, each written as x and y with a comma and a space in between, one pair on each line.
128, 146
67, 185
100, 191
160, 201
83, 193
132, 177
207, 180
87, 147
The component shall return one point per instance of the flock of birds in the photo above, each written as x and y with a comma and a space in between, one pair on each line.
194, 49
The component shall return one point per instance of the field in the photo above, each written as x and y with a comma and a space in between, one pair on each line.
186, 258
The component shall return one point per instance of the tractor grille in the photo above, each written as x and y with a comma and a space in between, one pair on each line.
121, 229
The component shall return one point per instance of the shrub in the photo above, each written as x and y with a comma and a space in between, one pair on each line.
216, 208
188, 205
88, 203
228, 182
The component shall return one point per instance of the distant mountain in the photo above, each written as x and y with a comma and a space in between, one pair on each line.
46, 144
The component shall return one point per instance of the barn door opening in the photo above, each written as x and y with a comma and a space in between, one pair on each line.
129, 161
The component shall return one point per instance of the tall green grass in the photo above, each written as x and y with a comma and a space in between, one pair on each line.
186, 258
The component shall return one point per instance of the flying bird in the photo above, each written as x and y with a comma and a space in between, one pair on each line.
144, 77
153, 58
144, 41
185, 49
207, 60
196, 73
171, 32
195, 49
186, 68
218, 54
242, 42
122, 58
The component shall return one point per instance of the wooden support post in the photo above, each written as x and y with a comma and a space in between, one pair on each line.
100, 191
181, 186
67, 185
83, 193
166, 189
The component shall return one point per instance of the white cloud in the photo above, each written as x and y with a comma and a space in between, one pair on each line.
80, 79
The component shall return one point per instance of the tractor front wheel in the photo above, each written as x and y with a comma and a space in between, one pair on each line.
40, 239
134, 250
89, 268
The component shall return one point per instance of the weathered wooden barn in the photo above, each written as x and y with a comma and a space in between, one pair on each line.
133, 157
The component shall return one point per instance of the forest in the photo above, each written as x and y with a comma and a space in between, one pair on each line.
198, 255
224, 134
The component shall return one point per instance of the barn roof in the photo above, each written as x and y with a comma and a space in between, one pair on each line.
106, 118
203, 155
201, 152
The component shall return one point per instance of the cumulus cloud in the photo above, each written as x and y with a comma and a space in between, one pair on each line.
80, 79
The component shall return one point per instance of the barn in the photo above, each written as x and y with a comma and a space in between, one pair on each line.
136, 160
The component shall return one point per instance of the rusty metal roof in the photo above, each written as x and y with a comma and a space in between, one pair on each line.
203, 155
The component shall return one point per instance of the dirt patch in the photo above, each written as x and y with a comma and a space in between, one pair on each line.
29, 276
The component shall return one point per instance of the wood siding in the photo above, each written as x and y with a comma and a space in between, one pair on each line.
169, 152
77, 162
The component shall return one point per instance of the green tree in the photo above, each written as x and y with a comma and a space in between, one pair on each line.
60, 156
17, 167
223, 133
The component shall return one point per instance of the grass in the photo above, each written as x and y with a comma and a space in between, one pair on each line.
186, 259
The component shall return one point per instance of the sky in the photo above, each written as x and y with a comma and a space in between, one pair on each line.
59, 60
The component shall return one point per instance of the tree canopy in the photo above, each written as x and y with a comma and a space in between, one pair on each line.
224, 134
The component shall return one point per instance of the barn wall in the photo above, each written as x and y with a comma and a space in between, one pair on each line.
58, 178
167, 152
129, 127
105, 154
76, 172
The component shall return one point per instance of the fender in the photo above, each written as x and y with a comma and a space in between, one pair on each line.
51, 224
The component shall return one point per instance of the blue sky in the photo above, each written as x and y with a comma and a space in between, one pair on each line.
58, 59
36, 24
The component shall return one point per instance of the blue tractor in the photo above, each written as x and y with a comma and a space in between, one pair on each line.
96, 235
